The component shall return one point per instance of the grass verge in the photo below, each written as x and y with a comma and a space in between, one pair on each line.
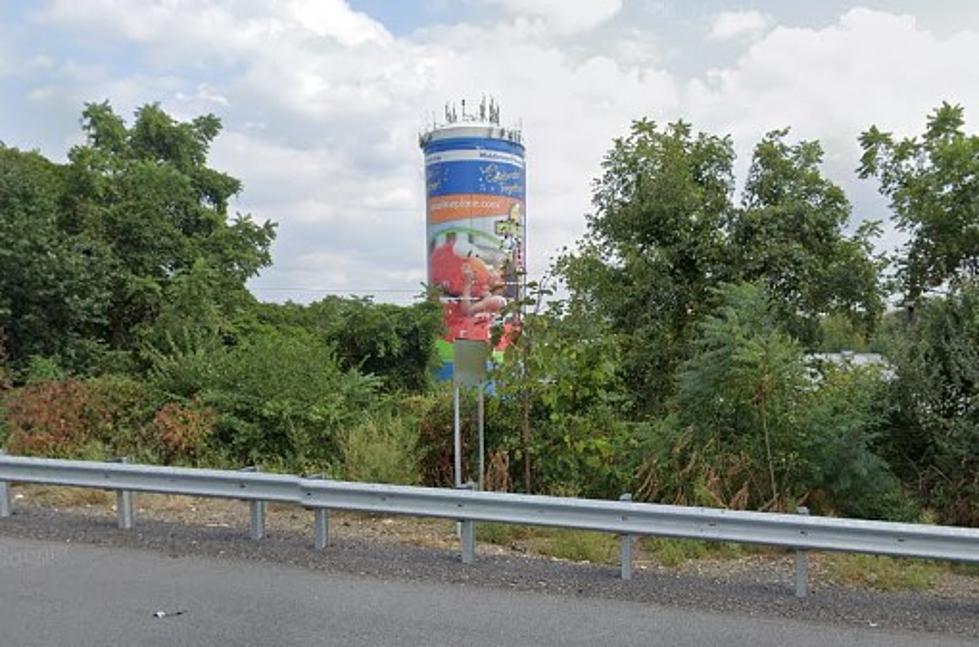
575, 545
674, 552
882, 573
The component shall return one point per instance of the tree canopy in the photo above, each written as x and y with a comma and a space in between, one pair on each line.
791, 233
932, 182
90, 247
666, 231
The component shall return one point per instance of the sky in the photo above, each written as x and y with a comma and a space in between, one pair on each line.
322, 100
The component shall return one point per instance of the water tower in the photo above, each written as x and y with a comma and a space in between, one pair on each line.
475, 189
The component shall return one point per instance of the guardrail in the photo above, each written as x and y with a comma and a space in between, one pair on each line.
624, 517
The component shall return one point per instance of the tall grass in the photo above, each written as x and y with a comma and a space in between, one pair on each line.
382, 449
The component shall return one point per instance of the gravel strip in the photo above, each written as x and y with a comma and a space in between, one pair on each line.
760, 594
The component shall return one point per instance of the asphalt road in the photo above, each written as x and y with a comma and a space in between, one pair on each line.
57, 593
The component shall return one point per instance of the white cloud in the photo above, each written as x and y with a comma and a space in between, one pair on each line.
565, 16
334, 18
222, 30
728, 25
322, 106
832, 83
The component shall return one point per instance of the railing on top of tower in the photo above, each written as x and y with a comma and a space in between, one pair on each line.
487, 114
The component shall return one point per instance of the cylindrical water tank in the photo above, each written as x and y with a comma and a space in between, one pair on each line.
476, 229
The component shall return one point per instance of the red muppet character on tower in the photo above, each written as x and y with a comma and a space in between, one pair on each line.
472, 290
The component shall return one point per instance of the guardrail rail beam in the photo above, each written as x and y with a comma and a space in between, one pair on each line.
627, 519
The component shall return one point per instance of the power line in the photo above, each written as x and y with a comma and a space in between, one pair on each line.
334, 290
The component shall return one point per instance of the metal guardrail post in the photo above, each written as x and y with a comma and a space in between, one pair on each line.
257, 508
5, 510
625, 547
321, 528
257, 525
802, 565
467, 532
321, 523
124, 503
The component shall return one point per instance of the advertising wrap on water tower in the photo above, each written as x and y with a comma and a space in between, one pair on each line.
475, 193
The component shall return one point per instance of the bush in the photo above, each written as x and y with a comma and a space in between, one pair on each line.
681, 468
433, 413
932, 435
43, 369
566, 371
181, 431
382, 449
282, 397
842, 469
753, 427
393, 343
98, 418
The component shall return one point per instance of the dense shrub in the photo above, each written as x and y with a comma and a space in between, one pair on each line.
382, 449
181, 431
279, 397
99, 418
561, 379
755, 428
433, 413
932, 435
682, 468
394, 343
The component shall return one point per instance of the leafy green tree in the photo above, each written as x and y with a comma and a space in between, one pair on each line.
665, 232
933, 431
394, 343
654, 247
790, 234
200, 306
146, 193
932, 182
741, 384
88, 250
54, 287
563, 373
838, 333
753, 426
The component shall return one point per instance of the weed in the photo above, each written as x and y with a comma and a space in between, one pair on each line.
881, 573
504, 534
382, 449
577, 545
64, 497
673, 552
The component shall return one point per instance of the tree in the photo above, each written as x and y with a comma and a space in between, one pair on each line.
933, 431
89, 250
790, 234
654, 247
562, 377
394, 343
54, 287
741, 384
753, 426
146, 192
932, 182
